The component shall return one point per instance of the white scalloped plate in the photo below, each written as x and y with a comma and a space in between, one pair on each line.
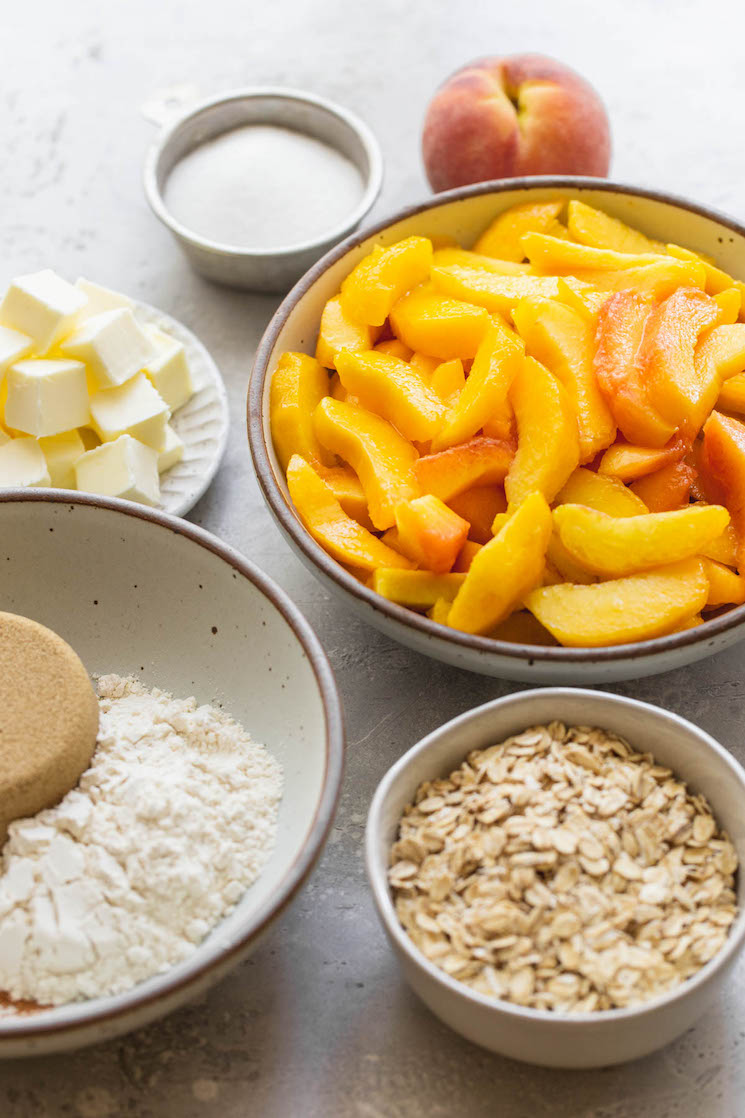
202, 422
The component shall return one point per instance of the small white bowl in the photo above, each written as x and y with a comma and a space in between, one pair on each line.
137, 592
537, 1036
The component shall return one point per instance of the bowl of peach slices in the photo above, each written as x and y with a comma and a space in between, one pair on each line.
508, 426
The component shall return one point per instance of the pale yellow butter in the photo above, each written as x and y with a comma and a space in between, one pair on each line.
168, 370
113, 346
172, 452
13, 346
123, 468
43, 306
22, 462
61, 453
134, 408
46, 397
99, 299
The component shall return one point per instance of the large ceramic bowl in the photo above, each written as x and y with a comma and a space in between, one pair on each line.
138, 592
539, 1036
463, 214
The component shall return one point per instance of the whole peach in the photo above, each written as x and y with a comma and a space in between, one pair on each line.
522, 115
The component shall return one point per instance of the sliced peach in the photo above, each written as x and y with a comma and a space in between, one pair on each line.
622, 610
433, 323
721, 354
338, 331
416, 589
430, 532
424, 364
394, 348
732, 395
674, 381
298, 384
564, 342
440, 611
503, 238
547, 439
480, 461
729, 302
614, 546
627, 462
716, 280
495, 365
725, 587
479, 506
393, 389
620, 332
381, 457
597, 491
722, 464
555, 256
448, 380
323, 516
598, 230
586, 301
666, 489
563, 562
498, 294
444, 257
466, 556
521, 627
724, 548
655, 281
345, 485
381, 278
505, 569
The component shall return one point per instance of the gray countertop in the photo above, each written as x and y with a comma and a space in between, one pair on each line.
318, 1021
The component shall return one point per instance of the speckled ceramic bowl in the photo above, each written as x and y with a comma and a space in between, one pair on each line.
463, 214
138, 592
581, 1040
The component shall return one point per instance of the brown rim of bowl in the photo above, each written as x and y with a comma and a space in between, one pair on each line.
17, 1028
291, 525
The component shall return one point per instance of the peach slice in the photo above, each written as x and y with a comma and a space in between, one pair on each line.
722, 464
614, 546
479, 461
444, 257
432, 323
724, 548
479, 506
555, 256
732, 395
393, 389
725, 587
430, 533
565, 564
448, 380
521, 627
503, 238
298, 384
622, 610
345, 485
722, 352
627, 462
466, 556
564, 342
381, 278
620, 331
666, 489
416, 589
730, 305
496, 293
337, 533
598, 230
547, 439
495, 365
440, 611
716, 280
597, 491
424, 364
394, 348
655, 281
382, 458
338, 331
675, 383
505, 569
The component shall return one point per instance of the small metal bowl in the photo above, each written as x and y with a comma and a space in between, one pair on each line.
274, 269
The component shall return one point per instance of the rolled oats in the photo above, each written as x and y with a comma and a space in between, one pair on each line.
562, 870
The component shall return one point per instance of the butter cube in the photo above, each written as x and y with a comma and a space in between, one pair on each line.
61, 453
168, 370
99, 299
13, 346
46, 397
172, 452
22, 462
134, 408
113, 345
123, 468
4, 436
42, 305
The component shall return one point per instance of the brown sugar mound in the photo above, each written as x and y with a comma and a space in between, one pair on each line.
48, 718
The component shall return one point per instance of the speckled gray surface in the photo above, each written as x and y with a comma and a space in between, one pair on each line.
318, 1022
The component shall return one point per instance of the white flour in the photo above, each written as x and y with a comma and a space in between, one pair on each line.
171, 823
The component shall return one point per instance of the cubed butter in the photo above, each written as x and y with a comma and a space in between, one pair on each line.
134, 408
172, 452
113, 346
168, 370
123, 468
4, 436
13, 346
46, 397
61, 453
99, 299
22, 462
42, 305
89, 437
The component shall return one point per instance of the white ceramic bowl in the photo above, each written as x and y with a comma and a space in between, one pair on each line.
463, 214
538, 1036
137, 592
